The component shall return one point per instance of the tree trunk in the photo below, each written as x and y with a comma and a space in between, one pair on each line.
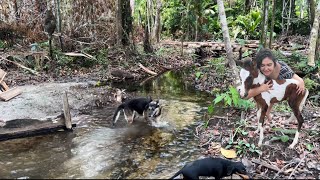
272, 24
156, 29
59, 24
126, 22
282, 16
226, 38
264, 28
312, 4
314, 37
119, 22
247, 5
132, 5
146, 41
302, 5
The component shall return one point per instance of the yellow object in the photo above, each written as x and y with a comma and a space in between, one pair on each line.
228, 153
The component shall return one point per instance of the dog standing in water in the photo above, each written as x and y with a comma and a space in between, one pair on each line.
143, 106
284, 89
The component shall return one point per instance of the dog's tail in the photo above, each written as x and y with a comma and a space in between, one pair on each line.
176, 174
117, 114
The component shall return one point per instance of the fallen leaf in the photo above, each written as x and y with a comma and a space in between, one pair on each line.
244, 176
228, 153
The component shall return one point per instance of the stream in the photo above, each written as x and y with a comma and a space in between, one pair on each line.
96, 150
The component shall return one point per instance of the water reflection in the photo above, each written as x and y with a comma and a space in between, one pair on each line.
94, 150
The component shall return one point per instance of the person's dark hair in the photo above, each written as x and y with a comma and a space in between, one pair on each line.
262, 54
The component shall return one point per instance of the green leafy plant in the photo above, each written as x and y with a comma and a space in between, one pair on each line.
218, 65
309, 146
244, 147
283, 138
232, 98
250, 23
282, 107
2, 44
199, 74
310, 84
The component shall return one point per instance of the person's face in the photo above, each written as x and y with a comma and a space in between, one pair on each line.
267, 66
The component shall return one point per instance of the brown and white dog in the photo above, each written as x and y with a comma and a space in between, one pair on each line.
251, 77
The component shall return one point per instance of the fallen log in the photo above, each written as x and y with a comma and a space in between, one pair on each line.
20, 128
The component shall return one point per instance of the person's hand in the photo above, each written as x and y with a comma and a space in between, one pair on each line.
300, 87
266, 86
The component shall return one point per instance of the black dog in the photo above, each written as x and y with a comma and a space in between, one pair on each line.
215, 167
130, 107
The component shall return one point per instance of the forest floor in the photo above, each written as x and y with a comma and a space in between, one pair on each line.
273, 160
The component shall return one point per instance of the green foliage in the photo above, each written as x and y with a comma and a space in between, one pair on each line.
244, 147
63, 60
298, 61
2, 44
250, 23
309, 146
199, 74
232, 98
283, 138
310, 84
282, 107
218, 65
102, 57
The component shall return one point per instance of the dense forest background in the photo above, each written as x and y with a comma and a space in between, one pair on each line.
95, 28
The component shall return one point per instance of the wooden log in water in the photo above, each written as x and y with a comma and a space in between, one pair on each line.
20, 128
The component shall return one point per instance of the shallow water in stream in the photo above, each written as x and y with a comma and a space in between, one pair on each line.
95, 150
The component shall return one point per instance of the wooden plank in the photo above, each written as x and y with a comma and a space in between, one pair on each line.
21, 128
66, 110
4, 85
7, 95
2, 75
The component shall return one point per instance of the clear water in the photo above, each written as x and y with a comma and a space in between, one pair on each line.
94, 150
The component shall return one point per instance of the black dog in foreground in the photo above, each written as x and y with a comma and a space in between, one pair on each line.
216, 167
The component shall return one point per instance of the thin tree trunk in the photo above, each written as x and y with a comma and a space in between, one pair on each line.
132, 5
247, 5
312, 4
59, 24
119, 22
148, 16
226, 38
263, 40
302, 8
289, 17
282, 16
314, 37
156, 29
272, 24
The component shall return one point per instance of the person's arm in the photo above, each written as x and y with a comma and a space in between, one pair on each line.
300, 85
258, 90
